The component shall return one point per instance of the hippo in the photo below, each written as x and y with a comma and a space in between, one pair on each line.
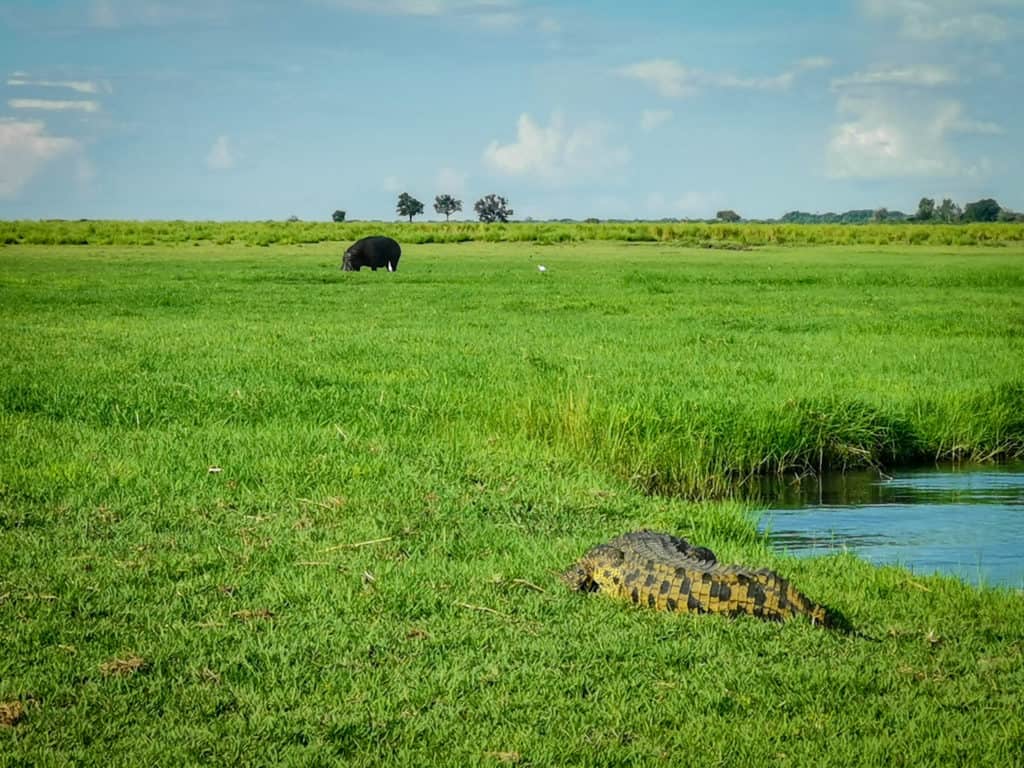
372, 252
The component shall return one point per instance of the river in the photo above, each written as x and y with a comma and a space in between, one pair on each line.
964, 521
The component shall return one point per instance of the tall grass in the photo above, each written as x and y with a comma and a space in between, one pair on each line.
712, 235
700, 450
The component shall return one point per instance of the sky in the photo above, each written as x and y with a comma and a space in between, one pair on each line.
265, 109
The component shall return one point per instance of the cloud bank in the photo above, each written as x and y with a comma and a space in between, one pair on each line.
986, 21
25, 149
673, 80
556, 153
887, 137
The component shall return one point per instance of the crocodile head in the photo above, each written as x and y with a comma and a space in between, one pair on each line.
820, 616
580, 577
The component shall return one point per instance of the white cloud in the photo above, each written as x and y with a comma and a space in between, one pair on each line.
669, 78
422, 7
949, 118
85, 171
556, 153
495, 15
451, 182
688, 205
24, 150
103, 14
980, 169
549, 26
896, 136
756, 83
81, 86
117, 14
813, 62
500, 20
697, 202
393, 184
222, 155
981, 20
650, 119
672, 80
921, 76
54, 105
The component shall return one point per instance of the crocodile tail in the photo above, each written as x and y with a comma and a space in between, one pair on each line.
733, 592
770, 596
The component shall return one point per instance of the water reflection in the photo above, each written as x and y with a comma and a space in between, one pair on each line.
965, 521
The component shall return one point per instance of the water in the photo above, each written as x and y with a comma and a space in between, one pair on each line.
966, 521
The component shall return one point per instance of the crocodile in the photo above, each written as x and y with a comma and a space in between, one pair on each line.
667, 573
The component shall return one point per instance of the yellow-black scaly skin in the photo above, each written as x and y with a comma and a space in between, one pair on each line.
668, 574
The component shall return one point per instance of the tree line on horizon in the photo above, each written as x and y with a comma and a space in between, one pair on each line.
488, 208
494, 208
946, 212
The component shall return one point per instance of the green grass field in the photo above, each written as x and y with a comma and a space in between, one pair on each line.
407, 461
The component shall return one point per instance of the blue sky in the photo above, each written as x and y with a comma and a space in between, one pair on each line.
254, 109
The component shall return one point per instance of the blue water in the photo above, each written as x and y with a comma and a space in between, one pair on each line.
968, 522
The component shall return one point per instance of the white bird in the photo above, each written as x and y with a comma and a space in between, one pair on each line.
541, 268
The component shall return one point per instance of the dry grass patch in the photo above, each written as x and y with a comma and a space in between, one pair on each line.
123, 667
261, 613
11, 713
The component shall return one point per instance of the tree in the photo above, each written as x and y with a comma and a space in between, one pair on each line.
447, 205
949, 211
338, 216
881, 214
492, 208
856, 216
926, 209
986, 209
409, 206
727, 215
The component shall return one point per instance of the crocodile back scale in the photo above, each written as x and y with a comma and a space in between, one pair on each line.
669, 574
